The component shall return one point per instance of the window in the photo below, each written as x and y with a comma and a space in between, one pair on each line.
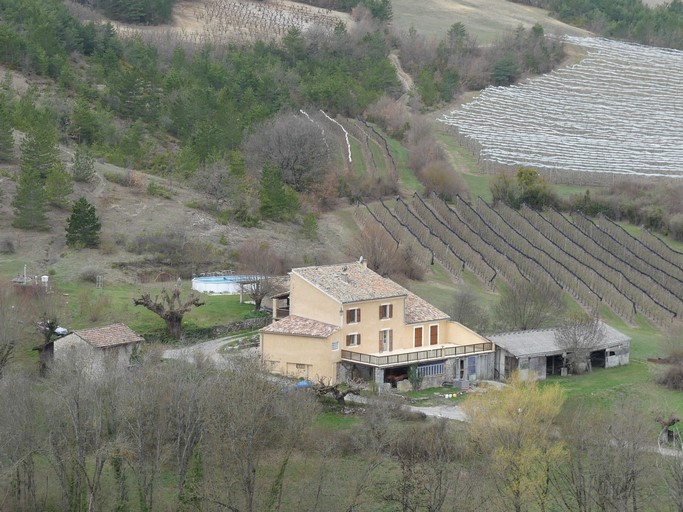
461, 369
386, 338
433, 334
418, 336
335, 346
472, 367
353, 340
386, 311
353, 316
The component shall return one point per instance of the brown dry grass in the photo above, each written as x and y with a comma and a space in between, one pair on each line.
484, 19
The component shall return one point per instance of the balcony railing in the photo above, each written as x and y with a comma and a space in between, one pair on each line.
417, 356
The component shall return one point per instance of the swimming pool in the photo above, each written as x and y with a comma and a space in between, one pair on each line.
221, 284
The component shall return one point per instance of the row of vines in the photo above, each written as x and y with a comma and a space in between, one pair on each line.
594, 260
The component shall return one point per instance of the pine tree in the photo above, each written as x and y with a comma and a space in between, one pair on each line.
83, 165
29, 202
277, 201
83, 226
39, 150
6, 139
58, 186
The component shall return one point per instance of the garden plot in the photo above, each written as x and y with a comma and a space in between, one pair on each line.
617, 112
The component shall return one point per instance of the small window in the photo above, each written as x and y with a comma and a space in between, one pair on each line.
353, 316
300, 366
335, 346
353, 340
386, 311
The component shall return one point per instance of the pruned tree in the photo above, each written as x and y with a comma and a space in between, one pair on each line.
578, 337
528, 305
339, 393
170, 307
294, 145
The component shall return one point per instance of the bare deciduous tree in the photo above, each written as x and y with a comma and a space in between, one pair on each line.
170, 307
294, 145
578, 337
214, 181
529, 305
259, 258
384, 256
9, 326
252, 418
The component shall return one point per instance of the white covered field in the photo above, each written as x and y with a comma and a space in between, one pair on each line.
619, 110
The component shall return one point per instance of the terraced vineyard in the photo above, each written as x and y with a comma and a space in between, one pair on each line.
596, 261
615, 113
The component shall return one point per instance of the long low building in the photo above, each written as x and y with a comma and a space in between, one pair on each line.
538, 351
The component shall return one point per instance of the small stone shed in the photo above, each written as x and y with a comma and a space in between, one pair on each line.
105, 348
537, 351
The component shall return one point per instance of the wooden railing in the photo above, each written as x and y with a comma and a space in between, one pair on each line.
417, 356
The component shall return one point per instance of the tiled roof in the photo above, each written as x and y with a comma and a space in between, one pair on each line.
354, 282
109, 336
350, 282
543, 341
419, 310
300, 326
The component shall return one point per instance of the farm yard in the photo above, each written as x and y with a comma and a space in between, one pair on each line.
615, 114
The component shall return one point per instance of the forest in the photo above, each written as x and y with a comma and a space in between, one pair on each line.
629, 20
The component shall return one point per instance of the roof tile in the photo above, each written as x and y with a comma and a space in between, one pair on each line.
109, 336
300, 326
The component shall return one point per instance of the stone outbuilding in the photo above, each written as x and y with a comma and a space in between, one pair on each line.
107, 348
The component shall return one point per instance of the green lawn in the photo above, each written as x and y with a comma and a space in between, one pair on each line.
359, 164
408, 179
118, 301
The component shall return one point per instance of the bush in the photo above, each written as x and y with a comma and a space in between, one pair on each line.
7, 246
89, 275
441, 179
118, 178
672, 378
156, 190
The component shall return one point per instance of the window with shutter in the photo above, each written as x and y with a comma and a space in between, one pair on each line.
386, 311
418, 336
433, 334
353, 316
353, 340
386, 340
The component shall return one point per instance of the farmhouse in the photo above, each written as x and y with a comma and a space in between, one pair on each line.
102, 348
537, 351
343, 322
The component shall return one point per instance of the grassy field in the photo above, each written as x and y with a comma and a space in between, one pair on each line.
434, 17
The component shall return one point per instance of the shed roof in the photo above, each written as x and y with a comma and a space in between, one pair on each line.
294, 325
109, 336
543, 341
